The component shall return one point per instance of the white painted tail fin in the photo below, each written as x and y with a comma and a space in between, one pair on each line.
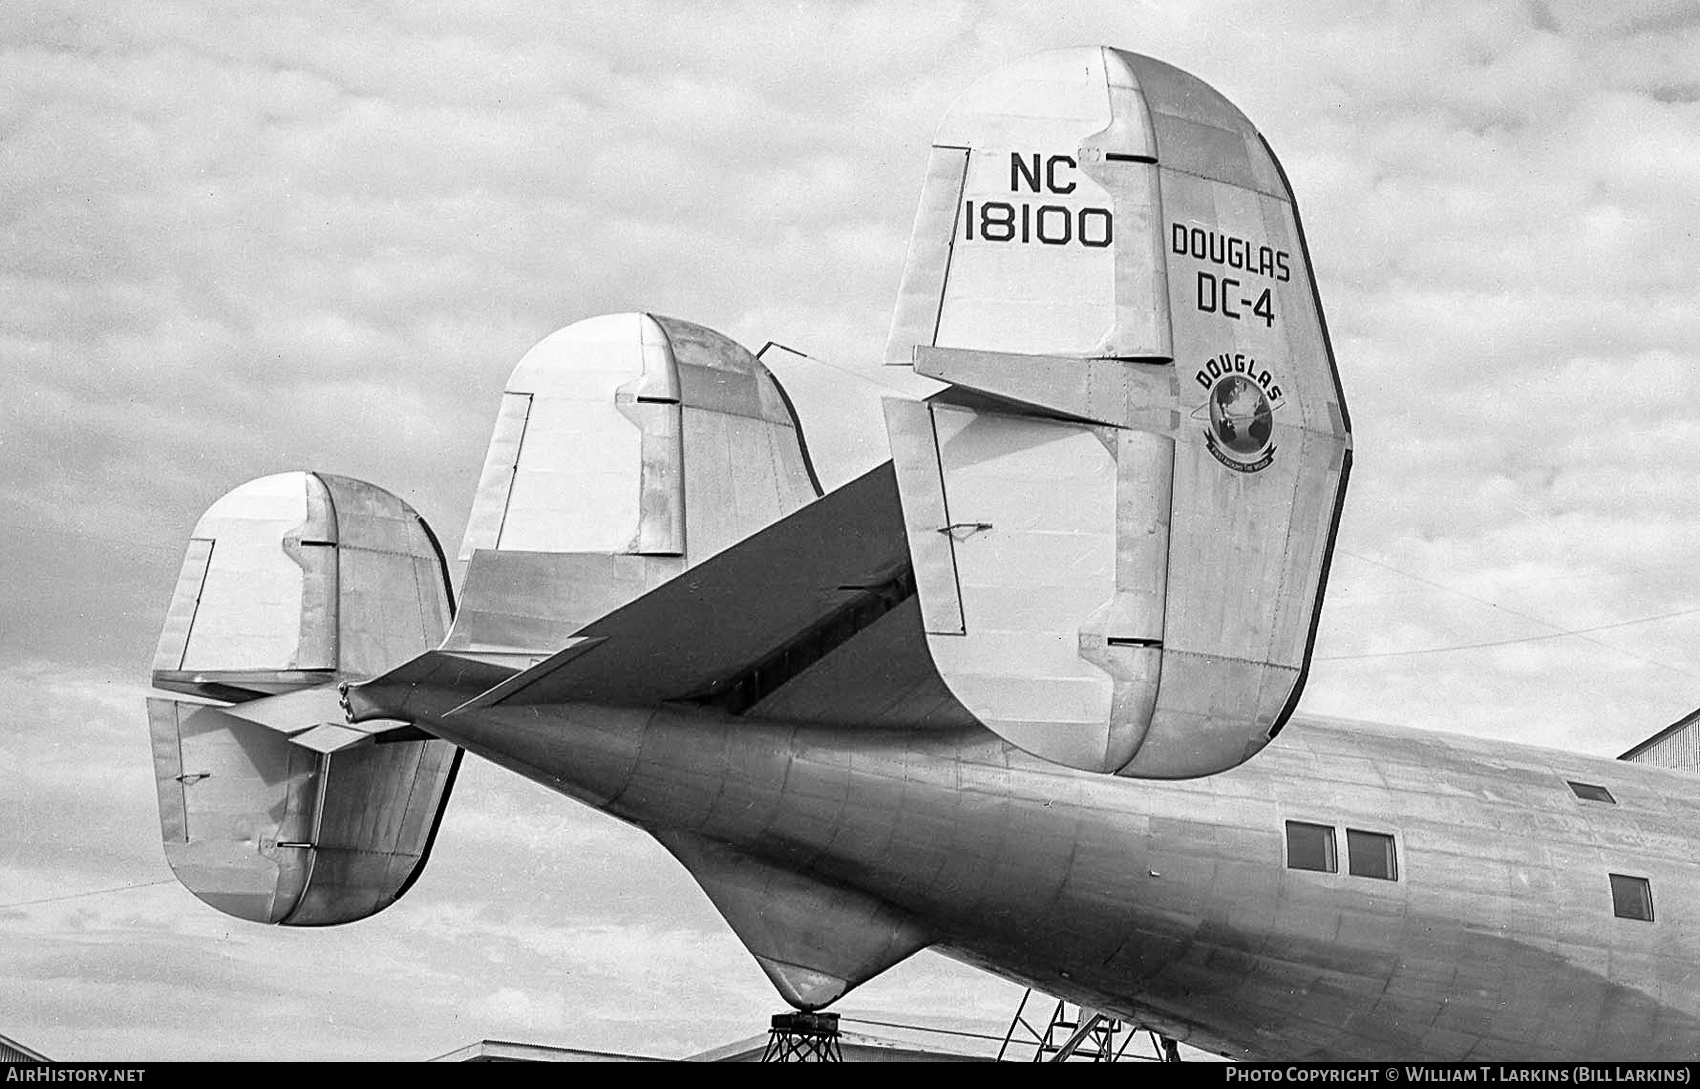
1037, 231
1121, 511
628, 448
271, 808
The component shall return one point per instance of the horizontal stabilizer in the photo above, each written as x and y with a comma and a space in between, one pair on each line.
293, 712
814, 619
518, 608
328, 737
311, 717
734, 627
524, 679
882, 676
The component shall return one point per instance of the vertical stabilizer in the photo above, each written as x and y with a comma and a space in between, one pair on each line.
1121, 510
292, 584
628, 448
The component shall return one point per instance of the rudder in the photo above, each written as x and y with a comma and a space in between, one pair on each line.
290, 585
1121, 511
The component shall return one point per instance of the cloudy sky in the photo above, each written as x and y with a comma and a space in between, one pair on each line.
238, 239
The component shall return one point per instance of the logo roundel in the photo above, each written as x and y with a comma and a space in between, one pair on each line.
1239, 412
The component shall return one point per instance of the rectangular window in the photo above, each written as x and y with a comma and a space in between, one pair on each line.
1631, 897
1371, 854
1310, 847
1588, 792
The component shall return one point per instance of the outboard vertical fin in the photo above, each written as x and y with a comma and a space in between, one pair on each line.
270, 809
1121, 510
628, 448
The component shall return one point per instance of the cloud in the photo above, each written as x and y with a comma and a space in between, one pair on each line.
301, 235
531, 1013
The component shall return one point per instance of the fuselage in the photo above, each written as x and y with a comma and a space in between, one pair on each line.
1173, 903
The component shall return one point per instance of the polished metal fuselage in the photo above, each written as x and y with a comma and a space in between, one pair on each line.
1170, 902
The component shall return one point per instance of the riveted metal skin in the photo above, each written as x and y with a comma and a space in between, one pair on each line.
1170, 902
1122, 507
609, 427
271, 808
629, 448
1000, 696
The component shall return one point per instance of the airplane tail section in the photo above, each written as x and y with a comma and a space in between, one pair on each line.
272, 808
628, 448
1120, 511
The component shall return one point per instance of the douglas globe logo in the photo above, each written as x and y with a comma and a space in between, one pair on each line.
1240, 410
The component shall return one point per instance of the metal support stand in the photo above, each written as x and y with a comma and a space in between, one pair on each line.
803, 1038
1078, 1034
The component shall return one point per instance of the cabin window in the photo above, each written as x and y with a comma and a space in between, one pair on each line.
1311, 847
1371, 854
1588, 792
1631, 897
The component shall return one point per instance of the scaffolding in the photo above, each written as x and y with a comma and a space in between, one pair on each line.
1078, 1034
